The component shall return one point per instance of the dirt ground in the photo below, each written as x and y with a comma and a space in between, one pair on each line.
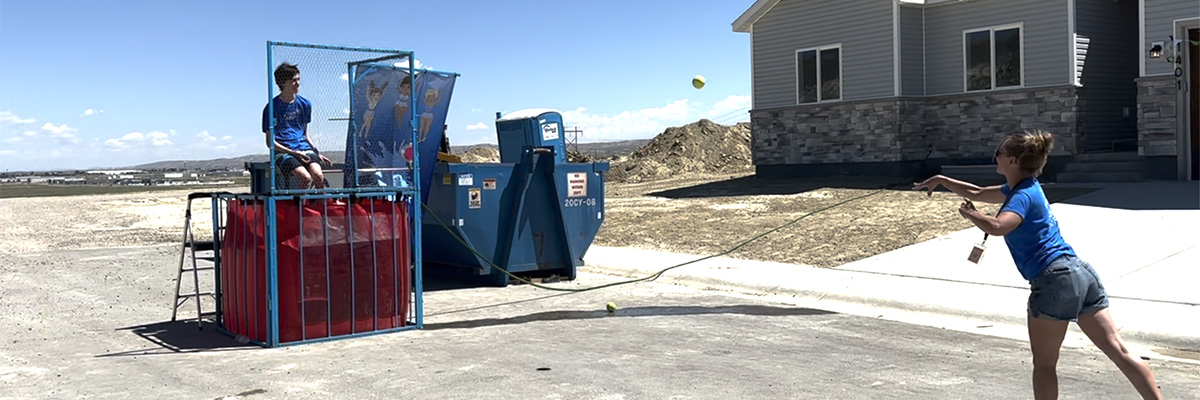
695, 214
30, 224
708, 214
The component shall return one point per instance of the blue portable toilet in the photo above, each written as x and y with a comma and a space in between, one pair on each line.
536, 127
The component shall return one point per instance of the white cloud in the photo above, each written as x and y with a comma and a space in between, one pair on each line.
731, 109
18, 129
476, 109
158, 139
345, 77
30, 146
90, 111
131, 139
7, 118
116, 144
477, 126
63, 133
57, 130
418, 65
640, 124
14, 127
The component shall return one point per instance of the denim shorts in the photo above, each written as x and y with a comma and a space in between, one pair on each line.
1066, 289
287, 162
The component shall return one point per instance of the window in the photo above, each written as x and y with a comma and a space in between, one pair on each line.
993, 58
819, 74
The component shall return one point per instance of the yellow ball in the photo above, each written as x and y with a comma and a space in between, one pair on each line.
698, 81
611, 307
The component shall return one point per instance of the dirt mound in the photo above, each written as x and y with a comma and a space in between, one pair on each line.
480, 154
578, 157
700, 147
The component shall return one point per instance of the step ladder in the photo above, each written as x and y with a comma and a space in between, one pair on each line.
190, 246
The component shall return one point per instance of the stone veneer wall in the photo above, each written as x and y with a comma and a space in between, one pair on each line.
843, 132
1157, 116
971, 125
960, 126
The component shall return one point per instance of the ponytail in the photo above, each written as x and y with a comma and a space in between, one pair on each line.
1032, 149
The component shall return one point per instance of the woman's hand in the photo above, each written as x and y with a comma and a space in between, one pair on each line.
929, 184
966, 208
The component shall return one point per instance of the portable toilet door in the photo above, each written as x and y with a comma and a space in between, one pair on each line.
533, 127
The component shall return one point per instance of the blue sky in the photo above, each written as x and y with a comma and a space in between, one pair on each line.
112, 84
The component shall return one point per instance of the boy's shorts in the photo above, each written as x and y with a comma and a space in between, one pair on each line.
288, 162
1066, 289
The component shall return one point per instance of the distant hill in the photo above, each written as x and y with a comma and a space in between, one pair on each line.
600, 150
220, 163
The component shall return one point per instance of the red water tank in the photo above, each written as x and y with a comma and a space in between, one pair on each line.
343, 267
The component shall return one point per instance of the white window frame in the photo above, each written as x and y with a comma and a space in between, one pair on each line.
1020, 26
841, 76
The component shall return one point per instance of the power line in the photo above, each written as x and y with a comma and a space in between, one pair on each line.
736, 114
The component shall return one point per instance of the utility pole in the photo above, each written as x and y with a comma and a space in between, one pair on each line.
573, 139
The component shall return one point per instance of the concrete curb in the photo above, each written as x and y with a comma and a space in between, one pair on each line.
926, 301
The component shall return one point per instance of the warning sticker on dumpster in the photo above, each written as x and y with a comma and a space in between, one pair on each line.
577, 184
489, 183
466, 179
475, 199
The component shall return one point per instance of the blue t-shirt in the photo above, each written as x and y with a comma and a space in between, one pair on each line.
1036, 241
291, 121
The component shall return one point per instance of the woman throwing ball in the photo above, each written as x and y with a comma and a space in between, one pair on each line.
1063, 288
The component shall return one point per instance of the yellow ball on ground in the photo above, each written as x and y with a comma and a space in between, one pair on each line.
698, 81
611, 307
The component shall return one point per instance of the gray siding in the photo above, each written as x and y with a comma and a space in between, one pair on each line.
1046, 45
912, 51
863, 27
1160, 22
1107, 71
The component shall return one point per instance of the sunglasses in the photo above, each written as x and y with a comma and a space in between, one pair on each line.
998, 153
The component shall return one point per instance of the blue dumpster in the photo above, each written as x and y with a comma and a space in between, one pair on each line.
533, 214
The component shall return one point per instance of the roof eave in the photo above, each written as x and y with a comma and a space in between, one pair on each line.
752, 14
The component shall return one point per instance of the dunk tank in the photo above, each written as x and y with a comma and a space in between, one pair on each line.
300, 264
297, 265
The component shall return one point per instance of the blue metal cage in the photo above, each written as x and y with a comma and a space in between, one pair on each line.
262, 298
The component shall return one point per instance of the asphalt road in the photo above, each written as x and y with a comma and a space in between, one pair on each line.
93, 323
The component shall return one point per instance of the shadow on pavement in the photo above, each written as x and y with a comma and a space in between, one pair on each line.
507, 303
628, 312
752, 185
1058, 194
175, 337
1145, 196
1154, 195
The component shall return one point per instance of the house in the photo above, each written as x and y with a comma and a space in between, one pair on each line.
903, 87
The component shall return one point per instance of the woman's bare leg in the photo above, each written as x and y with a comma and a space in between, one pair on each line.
1100, 328
1045, 340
